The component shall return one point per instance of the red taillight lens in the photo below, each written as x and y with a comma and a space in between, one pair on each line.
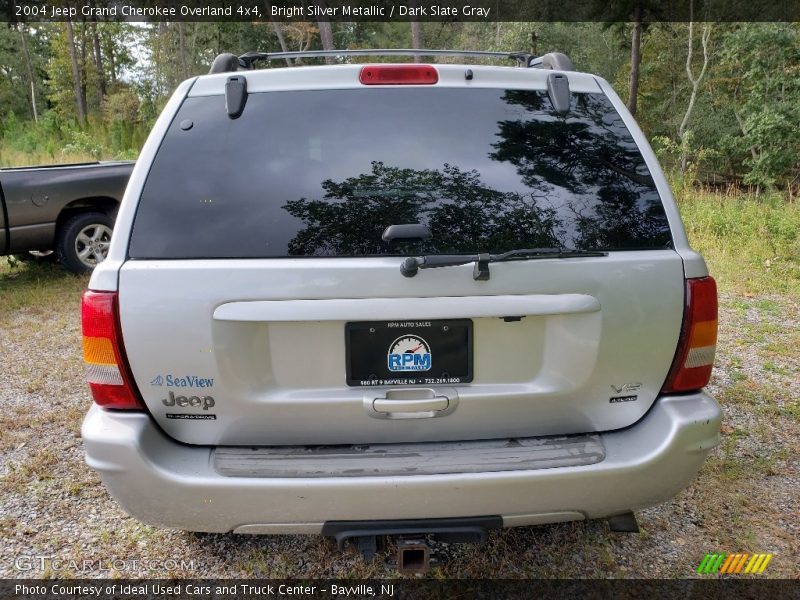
106, 367
694, 358
398, 75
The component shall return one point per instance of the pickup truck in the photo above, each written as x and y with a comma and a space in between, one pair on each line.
67, 210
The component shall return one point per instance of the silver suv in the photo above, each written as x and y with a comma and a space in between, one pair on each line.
377, 299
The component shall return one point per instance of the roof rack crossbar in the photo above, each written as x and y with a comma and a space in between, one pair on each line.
246, 60
225, 63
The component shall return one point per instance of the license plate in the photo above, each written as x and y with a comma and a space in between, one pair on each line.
409, 352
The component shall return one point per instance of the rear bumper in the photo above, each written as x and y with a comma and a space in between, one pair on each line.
162, 482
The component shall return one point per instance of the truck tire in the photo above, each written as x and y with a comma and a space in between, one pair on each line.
82, 241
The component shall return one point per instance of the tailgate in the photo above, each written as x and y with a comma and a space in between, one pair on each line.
255, 352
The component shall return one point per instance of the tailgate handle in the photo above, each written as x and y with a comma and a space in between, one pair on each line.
411, 403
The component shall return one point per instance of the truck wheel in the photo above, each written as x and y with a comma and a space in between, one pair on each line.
83, 241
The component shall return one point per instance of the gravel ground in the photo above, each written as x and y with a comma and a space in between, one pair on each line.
53, 505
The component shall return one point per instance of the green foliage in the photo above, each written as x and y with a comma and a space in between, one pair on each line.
83, 143
742, 129
591, 46
747, 114
670, 151
56, 139
751, 244
15, 85
761, 65
28, 137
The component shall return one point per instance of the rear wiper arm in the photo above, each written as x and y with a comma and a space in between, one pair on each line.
412, 264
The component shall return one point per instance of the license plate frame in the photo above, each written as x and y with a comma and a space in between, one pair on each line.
369, 346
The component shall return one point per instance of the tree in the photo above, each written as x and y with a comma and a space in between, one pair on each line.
760, 83
80, 98
99, 76
29, 68
640, 13
695, 82
416, 39
326, 37
416, 34
182, 50
636, 59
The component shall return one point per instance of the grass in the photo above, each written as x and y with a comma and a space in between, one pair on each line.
36, 287
10, 157
751, 244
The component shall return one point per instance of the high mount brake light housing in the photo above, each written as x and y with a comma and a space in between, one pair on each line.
398, 75
107, 370
694, 358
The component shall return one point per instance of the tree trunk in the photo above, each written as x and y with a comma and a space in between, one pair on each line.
325, 34
326, 37
29, 68
281, 40
276, 28
112, 66
98, 63
80, 99
160, 60
636, 59
182, 50
82, 63
416, 39
695, 82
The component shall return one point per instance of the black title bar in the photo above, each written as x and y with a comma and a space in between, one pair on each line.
402, 10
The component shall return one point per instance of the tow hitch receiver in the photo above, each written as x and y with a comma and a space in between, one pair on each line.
413, 556
413, 551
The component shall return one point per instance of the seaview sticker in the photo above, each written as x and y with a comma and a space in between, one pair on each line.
189, 381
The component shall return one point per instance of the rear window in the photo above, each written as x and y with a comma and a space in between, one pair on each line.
323, 173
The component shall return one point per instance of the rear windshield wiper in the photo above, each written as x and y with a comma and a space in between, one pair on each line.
412, 264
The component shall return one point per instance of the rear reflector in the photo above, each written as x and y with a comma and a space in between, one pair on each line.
398, 75
106, 367
694, 358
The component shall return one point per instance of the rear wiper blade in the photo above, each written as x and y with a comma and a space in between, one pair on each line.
526, 253
411, 265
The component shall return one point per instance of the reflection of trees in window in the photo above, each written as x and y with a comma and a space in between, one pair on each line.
463, 214
589, 154
582, 183
618, 220
586, 148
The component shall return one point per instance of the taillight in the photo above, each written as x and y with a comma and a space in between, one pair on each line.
694, 358
398, 75
106, 367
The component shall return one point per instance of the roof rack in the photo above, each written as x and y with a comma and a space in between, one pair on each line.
225, 63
